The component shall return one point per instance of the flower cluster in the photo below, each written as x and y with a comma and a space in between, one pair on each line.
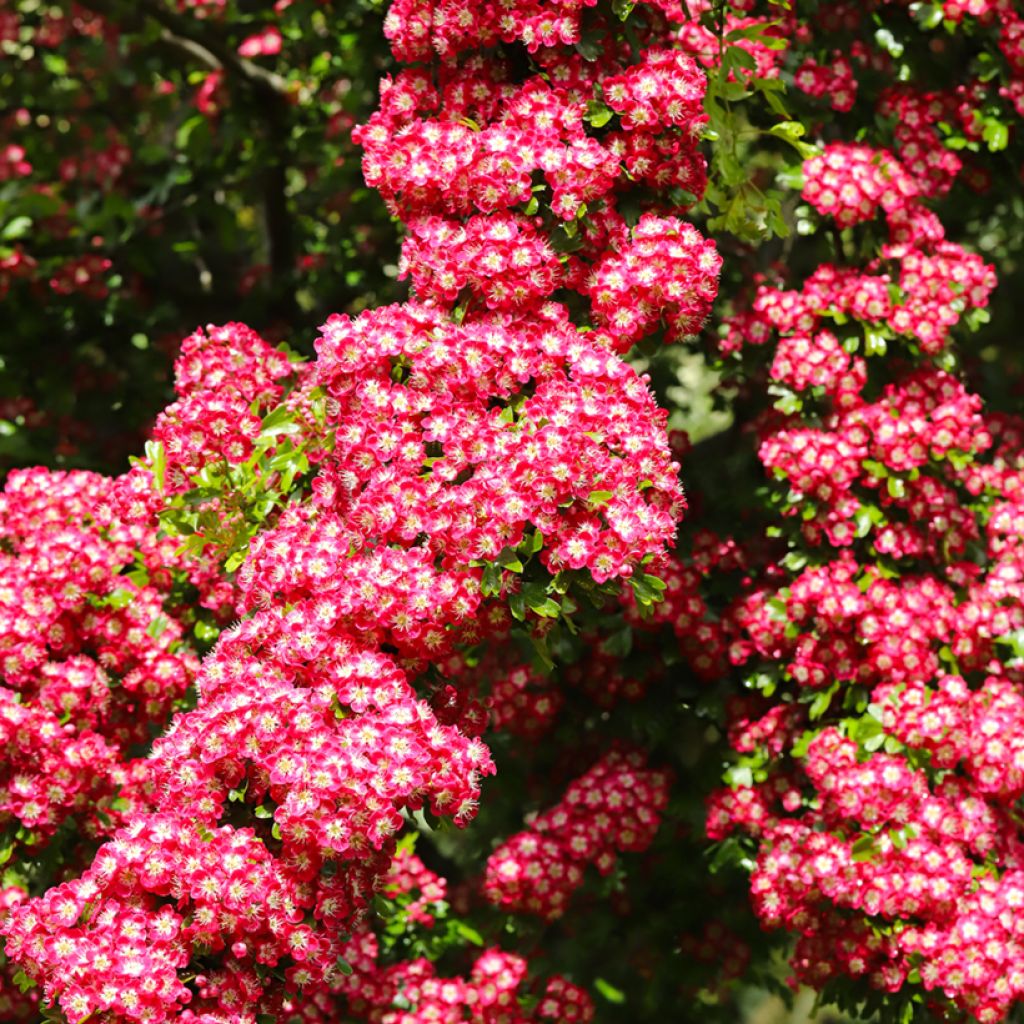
489, 995
13, 163
90, 660
509, 194
500, 460
665, 271
407, 875
504, 260
522, 701
419, 30
918, 144
834, 81
881, 752
85, 275
225, 378
665, 88
851, 183
614, 808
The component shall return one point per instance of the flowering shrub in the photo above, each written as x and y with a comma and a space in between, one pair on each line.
385, 684
439, 476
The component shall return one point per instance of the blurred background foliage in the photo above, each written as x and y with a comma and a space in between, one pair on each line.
153, 179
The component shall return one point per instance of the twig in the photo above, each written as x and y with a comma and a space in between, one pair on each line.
270, 93
196, 37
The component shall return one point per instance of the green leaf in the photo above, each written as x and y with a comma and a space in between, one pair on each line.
490, 582
789, 405
279, 421
619, 643
184, 135
565, 240
788, 129
157, 459
17, 227
23, 981
793, 132
537, 599
873, 743
157, 627
874, 342
774, 101
864, 518
930, 15
976, 318
865, 848
119, 598
821, 703
468, 932
206, 631
591, 46
544, 661
646, 589
996, 134
509, 559
734, 91
609, 991
1014, 640
344, 966
866, 728
55, 64
598, 115
236, 559
738, 57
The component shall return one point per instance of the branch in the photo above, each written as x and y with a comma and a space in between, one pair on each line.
203, 43
195, 37
193, 49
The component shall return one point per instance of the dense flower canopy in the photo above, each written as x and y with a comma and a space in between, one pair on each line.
397, 678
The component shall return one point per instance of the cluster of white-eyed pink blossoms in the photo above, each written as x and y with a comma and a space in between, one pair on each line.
444, 472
